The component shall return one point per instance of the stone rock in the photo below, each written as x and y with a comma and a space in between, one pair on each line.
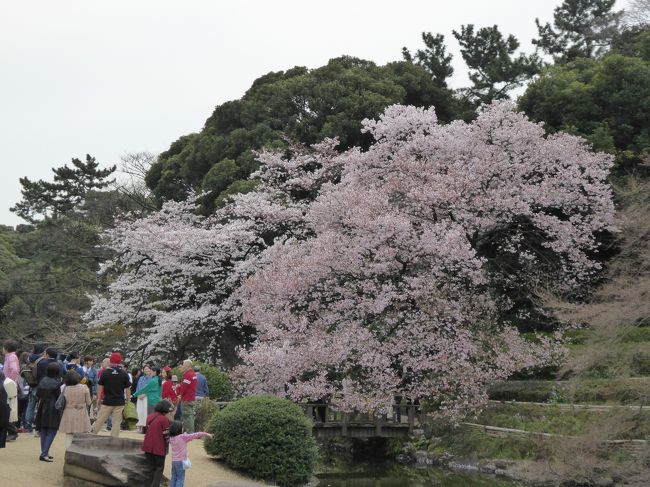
94, 461
502, 464
487, 468
422, 457
603, 482
403, 459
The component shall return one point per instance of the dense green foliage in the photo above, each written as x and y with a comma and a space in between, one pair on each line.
299, 104
205, 411
605, 100
47, 268
266, 437
302, 105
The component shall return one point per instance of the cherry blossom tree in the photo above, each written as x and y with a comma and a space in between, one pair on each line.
369, 275
174, 271
403, 286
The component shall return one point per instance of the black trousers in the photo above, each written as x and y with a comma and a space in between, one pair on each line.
158, 465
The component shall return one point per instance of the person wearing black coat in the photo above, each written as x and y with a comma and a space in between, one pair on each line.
47, 416
4, 412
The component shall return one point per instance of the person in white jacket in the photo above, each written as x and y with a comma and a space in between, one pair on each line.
12, 400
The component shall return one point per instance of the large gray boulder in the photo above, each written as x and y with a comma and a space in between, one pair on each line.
94, 461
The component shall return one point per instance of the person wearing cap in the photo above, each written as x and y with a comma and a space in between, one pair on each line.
187, 393
114, 386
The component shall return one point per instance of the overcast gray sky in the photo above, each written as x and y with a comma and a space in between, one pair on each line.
106, 78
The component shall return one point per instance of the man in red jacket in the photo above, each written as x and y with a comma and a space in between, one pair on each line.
187, 394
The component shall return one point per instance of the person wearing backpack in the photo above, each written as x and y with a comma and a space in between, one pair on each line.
30, 373
23, 394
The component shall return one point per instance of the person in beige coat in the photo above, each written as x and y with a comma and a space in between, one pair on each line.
12, 395
75, 417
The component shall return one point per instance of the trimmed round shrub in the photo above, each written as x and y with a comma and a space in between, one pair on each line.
266, 437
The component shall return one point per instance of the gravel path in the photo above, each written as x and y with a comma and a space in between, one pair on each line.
19, 464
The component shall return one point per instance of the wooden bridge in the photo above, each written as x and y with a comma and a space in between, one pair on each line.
330, 423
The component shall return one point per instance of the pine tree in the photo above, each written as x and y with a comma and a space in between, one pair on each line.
43, 199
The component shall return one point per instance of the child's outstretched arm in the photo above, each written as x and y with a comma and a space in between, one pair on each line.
187, 437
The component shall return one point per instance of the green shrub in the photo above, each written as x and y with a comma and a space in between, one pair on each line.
623, 391
634, 334
205, 411
219, 383
266, 437
523, 390
641, 364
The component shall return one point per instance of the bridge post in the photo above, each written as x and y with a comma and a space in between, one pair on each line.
378, 425
411, 415
344, 425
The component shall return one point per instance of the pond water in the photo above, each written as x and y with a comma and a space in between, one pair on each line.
396, 476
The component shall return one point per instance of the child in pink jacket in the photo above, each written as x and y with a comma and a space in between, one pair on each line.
178, 442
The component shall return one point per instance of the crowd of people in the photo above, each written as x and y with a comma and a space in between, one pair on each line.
45, 392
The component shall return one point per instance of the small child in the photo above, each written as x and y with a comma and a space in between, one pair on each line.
178, 441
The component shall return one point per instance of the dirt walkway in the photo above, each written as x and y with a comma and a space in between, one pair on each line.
19, 463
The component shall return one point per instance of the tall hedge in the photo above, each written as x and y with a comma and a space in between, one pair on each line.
265, 437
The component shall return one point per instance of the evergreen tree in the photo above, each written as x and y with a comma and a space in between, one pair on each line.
43, 199
433, 58
581, 28
300, 104
494, 66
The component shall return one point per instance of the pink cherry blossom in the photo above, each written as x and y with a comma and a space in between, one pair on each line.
369, 275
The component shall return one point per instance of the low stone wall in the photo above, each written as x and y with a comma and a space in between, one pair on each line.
98, 461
